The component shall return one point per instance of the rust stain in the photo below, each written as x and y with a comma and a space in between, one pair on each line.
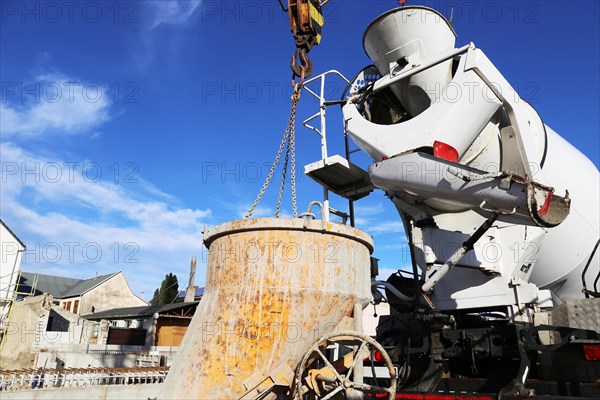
270, 295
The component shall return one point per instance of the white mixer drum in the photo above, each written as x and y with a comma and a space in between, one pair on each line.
567, 248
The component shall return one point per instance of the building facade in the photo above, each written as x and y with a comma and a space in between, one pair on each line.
82, 296
11, 251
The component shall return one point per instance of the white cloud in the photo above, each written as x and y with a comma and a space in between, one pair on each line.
53, 103
369, 218
67, 219
76, 223
173, 12
259, 212
153, 44
394, 245
369, 210
378, 227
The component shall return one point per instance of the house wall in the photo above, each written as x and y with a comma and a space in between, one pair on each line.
29, 333
69, 304
80, 356
28, 322
105, 356
113, 293
11, 251
31, 345
78, 331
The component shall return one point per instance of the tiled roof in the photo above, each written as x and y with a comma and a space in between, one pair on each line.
135, 312
37, 284
86, 285
58, 286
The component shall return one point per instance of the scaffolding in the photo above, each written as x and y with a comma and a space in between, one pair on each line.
12, 295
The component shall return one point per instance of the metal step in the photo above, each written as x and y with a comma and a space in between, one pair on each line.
340, 176
591, 293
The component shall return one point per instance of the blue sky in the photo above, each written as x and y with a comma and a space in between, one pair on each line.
126, 126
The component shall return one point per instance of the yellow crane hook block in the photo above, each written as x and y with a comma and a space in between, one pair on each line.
306, 22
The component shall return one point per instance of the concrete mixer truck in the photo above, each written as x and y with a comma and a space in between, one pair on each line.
502, 297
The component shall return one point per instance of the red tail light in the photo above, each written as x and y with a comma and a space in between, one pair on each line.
377, 357
592, 352
445, 151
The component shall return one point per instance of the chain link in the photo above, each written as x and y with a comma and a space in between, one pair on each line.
289, 139
283, 177
292, 146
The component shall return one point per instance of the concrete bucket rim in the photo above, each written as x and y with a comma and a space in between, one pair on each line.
290, 224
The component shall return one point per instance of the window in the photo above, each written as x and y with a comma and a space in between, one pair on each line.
68, 307
95, 329
75, 306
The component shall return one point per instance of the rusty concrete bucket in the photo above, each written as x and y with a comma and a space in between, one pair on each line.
274, 286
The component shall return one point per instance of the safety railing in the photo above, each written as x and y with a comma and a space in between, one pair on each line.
321, 95
39, 379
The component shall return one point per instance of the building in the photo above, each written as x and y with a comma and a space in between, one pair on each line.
37, 323
82, 296
46, 328
159, 325
43, 334
11, 251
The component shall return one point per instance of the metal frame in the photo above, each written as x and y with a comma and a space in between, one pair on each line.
322, 132
11, 302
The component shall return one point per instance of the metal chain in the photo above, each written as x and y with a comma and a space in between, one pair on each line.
292, 146
283, 177
289, 139
269, 177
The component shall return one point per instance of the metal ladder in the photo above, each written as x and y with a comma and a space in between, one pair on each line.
335, 173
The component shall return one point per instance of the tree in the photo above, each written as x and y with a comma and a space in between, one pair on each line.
169, 289
154, 300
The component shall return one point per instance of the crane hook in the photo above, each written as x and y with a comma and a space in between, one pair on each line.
304, 70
